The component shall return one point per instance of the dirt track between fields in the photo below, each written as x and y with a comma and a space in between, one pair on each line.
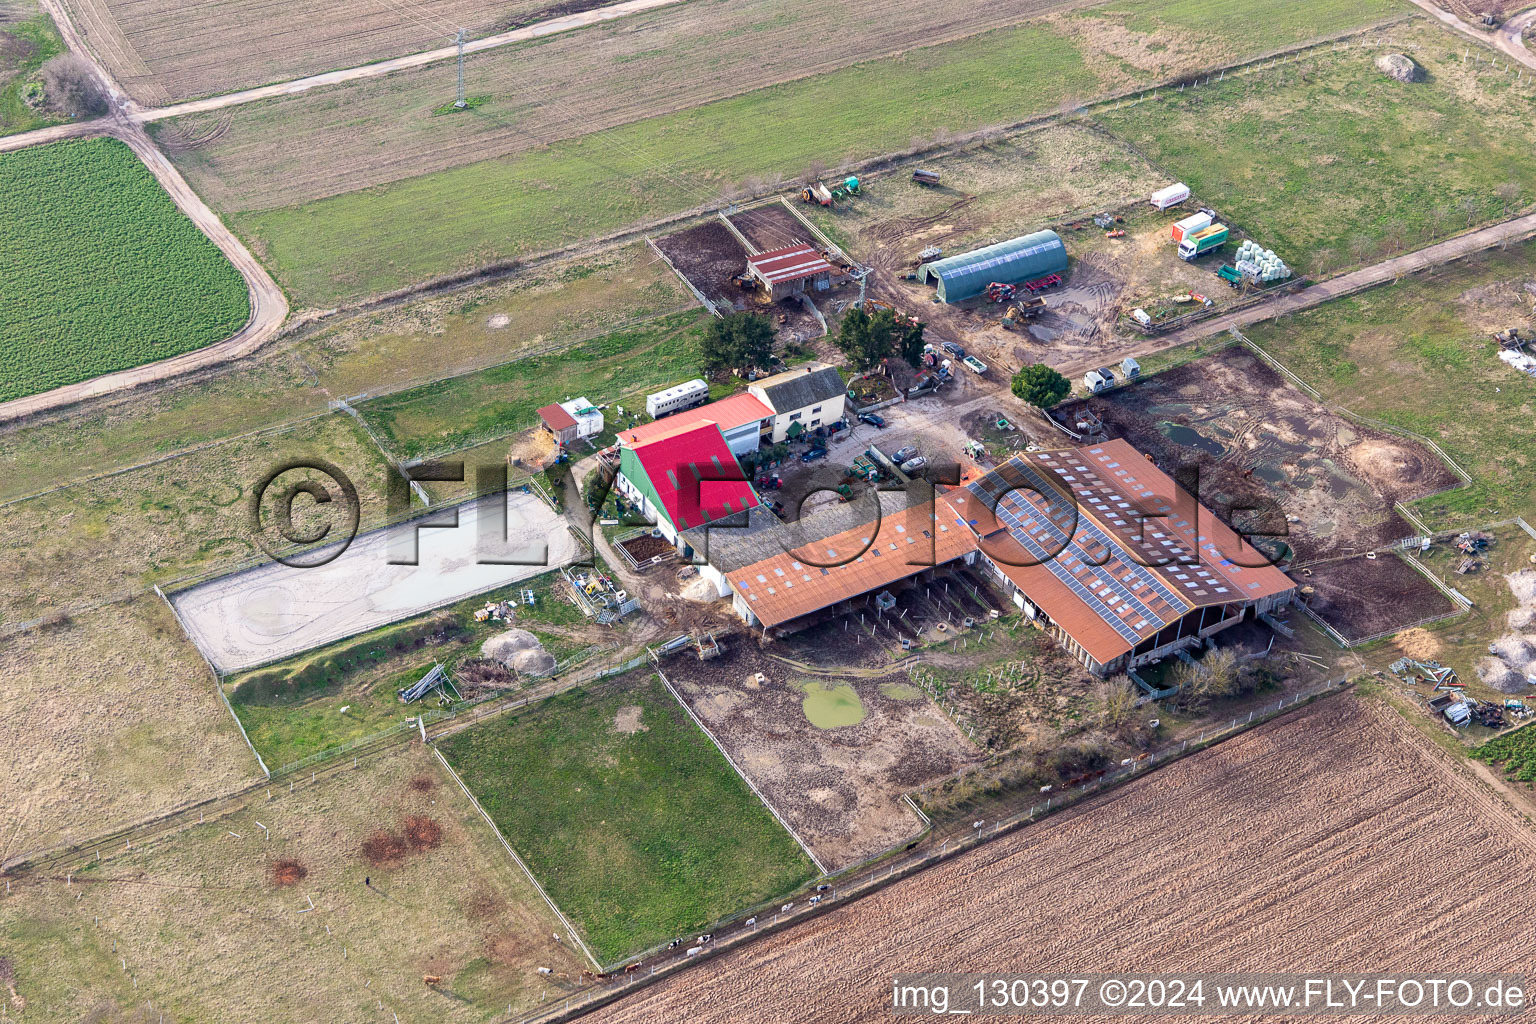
1386, 271
1318, 842
269, 306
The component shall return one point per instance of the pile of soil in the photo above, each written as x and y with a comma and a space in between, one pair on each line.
418, 834
1511, 661
422, 833
1399, 66
288, 872
504, 645
535, 662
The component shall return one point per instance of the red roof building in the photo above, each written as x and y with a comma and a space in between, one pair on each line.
684, 478
740, 419
786, 271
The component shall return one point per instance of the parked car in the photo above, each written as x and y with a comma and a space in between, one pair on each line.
813, 455
958, 351
903, 454
913, 465
974, 365
873, 419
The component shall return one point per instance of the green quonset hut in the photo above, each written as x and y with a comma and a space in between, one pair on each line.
1012, 262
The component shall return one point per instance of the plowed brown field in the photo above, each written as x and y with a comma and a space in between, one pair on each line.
1329, 840
374, 131
166, 50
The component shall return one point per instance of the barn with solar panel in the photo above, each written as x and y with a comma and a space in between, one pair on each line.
1028, 258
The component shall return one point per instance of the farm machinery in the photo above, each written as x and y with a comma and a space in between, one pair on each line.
1025, 309
820, 194
999, 292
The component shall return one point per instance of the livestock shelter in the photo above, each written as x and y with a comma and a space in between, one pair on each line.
785, 272
1012, 262
569, 422
1109, 555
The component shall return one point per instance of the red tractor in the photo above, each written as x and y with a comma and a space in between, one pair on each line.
998, 292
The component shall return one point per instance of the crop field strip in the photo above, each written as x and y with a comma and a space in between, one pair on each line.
588, 186
161, 51
557, 88
1172, 870
543, 308
99, 271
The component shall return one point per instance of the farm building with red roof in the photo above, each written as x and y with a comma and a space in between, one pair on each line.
684, 478
787, 271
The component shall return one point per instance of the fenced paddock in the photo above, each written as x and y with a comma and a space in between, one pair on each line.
275, 611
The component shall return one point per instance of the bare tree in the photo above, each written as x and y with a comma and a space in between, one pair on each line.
1325, 261
72, 88
1395, 237
1436, 217
1117, 701
1471, 207
1509, 195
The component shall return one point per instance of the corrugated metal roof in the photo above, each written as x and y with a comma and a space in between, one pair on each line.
695, 475
819, 574
727, 414
1018, 259
556, 418
790, 263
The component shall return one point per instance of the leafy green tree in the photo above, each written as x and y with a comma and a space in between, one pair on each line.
1041, 386
911, 345
738, 340
853, 337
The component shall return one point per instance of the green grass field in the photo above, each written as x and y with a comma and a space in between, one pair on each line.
98, 269
27, 41
348, 690
473, 408
1331, 163
629, 817
363, 242
1418, 355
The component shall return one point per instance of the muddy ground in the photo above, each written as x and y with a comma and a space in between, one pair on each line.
1395, 595
839, 787
1269, 459
771, 227
708, 256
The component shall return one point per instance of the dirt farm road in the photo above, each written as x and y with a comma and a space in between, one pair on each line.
1204, 865
1507, 38
1386, 271
269, 306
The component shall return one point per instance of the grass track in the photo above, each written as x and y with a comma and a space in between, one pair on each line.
638, 836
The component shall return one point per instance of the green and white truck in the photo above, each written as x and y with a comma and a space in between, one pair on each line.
1202, 242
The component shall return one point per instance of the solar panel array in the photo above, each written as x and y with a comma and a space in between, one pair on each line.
1129, 597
